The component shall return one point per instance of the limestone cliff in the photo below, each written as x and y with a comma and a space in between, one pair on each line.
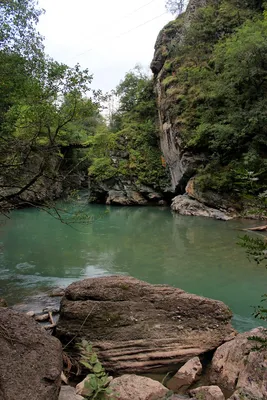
182, 163
207, 102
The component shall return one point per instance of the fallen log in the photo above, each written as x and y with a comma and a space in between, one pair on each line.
257, 228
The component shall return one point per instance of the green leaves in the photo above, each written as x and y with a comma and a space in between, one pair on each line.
97, 380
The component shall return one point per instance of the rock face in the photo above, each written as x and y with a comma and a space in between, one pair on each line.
125, 192
184, 205
181, 162
137, 327
186, 375
137, 387
211, 198
207, 393
235, 366
30, 359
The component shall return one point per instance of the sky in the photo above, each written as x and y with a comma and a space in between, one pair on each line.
109, 37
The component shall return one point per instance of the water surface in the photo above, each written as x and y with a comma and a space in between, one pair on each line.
199, 255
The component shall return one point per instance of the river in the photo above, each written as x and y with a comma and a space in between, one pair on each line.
199, 255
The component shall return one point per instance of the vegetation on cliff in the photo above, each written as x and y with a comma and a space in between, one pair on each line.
214, 79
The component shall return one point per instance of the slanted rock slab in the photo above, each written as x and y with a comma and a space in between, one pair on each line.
235, 365
207, 393
137, 387
184, 205
137, 327
186, 375
30, 359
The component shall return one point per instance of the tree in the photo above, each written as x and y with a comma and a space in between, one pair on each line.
129, 148
39, 100
18, 19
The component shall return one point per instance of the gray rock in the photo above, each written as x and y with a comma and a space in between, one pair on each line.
211, 198
236, 366
69, 393
124, 192
30, 359
184, 205
138, 327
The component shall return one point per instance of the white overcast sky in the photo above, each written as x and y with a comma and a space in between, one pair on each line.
102, 35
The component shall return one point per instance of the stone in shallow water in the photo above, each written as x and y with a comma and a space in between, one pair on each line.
3, 303
138, 327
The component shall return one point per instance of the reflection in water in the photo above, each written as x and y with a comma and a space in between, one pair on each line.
198, 255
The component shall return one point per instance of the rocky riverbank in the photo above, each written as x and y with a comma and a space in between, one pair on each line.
135, 328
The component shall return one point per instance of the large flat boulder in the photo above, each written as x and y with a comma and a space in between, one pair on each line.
30, 359
138, 327
237, 366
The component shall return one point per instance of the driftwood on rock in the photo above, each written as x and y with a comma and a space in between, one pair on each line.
138, 327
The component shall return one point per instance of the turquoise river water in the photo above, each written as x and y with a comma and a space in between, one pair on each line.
199, 255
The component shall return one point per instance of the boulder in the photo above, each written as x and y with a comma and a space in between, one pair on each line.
207, 393
69, 393
137, 387
123, 191
210, 198
184, 205
235, 365
30, 359
186, 375
125, 198
136, 327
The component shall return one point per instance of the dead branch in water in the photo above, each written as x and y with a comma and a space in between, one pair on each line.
257, 228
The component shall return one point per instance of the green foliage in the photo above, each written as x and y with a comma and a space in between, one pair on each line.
98, 380
215, 80
17, 27
43, 107
129, 148
256, 248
